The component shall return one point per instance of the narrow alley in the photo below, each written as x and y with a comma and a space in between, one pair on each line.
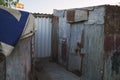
69, 44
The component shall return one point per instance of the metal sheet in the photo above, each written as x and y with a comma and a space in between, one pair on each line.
64, 50
18, 64
76, 37
70, 16
93, 48
96, 16
77, 15
93, 43
55, 33
109, 43
2, 67
81, 15
43, 37
64, 34
112, 18
112, 43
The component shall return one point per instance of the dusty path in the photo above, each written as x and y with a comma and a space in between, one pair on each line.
46, 70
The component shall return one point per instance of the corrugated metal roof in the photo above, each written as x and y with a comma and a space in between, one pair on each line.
42, 15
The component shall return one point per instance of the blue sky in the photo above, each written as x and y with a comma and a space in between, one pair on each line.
47, 6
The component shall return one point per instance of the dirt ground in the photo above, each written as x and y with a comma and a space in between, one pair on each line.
47, 70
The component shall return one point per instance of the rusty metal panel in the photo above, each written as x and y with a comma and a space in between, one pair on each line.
64, 50
112, 57
111, 67
55, 33
43, 37
109, 43
117, 44
112, 43
70, 16
112, 20
64, 34
77, 15
18, 64
41, 15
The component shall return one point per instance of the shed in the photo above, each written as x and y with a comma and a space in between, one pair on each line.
87, 41
16, 44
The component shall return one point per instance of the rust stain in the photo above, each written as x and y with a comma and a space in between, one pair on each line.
55, 38
111, 44
112, 20
112, 35
70, 16
117, 42
108, 48
64, 50
108, 43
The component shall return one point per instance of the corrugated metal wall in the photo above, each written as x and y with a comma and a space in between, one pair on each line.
43, 35
18, 64
83, 40
112, 43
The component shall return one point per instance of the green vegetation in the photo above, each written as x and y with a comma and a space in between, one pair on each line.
9, 3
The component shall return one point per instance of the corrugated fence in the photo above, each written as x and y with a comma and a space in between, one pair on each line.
43, 35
